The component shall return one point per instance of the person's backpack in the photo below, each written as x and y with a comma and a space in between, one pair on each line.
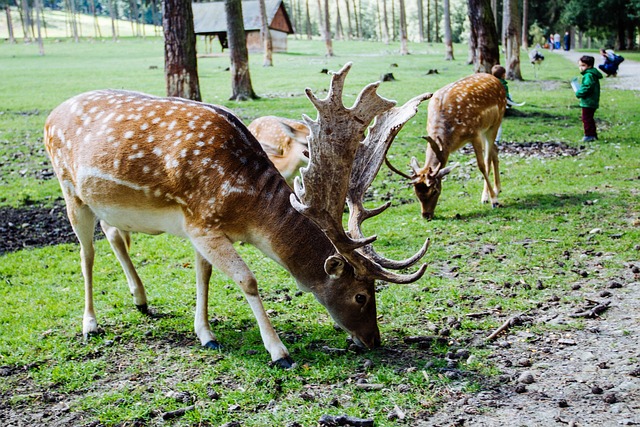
617, 59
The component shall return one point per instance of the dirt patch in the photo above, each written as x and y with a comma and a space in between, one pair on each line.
538, 149
34, 226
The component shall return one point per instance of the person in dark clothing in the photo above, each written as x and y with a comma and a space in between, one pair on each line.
567, 40
611, 62
589, 95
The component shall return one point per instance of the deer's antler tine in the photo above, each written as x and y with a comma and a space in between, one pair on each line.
396, 264
376, 271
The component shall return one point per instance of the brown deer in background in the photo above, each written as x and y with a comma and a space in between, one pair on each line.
468, 110
284, 141
136, 162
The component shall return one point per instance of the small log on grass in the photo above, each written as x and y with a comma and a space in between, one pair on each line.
177, 413
593, 312
344, 420
512, 321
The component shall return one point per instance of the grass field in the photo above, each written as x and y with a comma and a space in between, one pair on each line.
558, 211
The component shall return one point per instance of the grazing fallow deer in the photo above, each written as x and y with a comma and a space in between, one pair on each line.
468, 110
136, 162
284, 141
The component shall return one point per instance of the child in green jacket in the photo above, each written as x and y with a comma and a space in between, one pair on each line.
589, 95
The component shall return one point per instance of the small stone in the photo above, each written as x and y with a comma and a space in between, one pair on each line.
603, 365
521, 388
614, 285
610, 398
576, 286
213, 395
524, 362
604, 294
563, 403
596, 390
635, 373
526, 378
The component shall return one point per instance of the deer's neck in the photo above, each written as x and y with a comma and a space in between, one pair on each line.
290, 238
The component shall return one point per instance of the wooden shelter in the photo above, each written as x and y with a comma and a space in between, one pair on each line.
210, 19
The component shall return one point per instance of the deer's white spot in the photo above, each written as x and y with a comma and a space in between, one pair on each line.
155, 120
172, 125
108, 117
146, 169
128, 134
196, 152
120, 118
144, 126
116, 164
150, 138
157, 151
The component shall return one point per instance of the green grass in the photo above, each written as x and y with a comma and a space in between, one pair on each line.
510, 259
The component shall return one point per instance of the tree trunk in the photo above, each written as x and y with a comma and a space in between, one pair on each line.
494, 10
37, 6
448, 41
357, 18
428, 21
339, 31
24, 18
327, 29
511, 17
180, 62
525, 24
112, 15
349, 27
473, 43
265, 35
404, 50
240, 76
393, 20
308, 21
385, 23
420, 22
436, 23
483, 27
12, 38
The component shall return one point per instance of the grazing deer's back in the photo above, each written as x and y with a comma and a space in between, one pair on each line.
466, 106
158, 152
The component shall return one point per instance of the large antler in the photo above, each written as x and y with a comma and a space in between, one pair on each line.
342, 165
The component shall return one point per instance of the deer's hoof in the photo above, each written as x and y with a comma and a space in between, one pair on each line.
284, 363
143, 308
213, 345
495, 205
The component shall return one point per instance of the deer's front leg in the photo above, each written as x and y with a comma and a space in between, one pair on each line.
220, 253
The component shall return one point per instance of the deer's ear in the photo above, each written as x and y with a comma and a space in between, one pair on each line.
334, 266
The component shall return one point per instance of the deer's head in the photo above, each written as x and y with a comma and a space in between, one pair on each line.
342, 165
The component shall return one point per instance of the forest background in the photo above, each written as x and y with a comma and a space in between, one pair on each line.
590, 23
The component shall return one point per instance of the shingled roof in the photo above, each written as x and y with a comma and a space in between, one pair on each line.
211, 18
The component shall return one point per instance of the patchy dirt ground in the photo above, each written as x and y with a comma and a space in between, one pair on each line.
588, 377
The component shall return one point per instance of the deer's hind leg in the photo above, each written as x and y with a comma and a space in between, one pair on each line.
83, 222
483, 149
120, 242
